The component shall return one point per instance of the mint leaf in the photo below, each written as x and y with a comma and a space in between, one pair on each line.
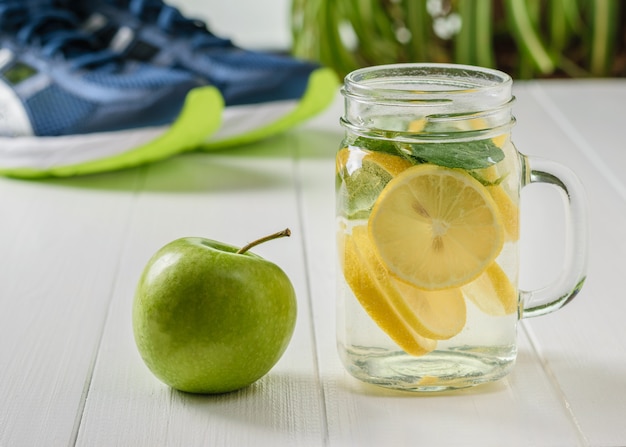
464, 155
357, 192
377, 145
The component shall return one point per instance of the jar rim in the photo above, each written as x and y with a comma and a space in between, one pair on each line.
439, 82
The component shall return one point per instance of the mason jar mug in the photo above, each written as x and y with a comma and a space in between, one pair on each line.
427, 216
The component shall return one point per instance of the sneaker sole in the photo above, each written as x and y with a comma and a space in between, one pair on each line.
246, 124
64, 156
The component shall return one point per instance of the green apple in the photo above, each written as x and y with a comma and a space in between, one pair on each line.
211, 318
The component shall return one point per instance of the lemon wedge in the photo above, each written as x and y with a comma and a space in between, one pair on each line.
436, 228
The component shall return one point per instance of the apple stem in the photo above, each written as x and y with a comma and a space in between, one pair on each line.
245, 248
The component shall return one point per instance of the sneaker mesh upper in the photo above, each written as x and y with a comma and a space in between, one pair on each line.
244, 77
137, 76
46, 104
74, 86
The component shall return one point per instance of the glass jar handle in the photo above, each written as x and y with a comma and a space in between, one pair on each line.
570, 281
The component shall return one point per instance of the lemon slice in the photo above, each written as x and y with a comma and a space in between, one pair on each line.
417, 125
482, 124
508, 208
492, 292
365, 285
352, 159
435, 227
363, 175
438, 314
423, 124
509, 211
500, 140
434, 314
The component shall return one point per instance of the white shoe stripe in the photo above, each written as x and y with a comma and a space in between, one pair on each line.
43, 153
6, 57
240, 120
14, 120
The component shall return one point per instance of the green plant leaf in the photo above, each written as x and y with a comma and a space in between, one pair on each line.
603, 36
463, 155
527, 36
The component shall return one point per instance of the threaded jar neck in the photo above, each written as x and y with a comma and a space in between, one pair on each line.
430, 102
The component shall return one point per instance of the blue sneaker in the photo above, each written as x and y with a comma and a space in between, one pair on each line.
67, 108
264, 94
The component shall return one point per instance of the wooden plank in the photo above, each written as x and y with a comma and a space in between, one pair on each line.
235, 198
582, 345
592, 118
60, 245
523, 409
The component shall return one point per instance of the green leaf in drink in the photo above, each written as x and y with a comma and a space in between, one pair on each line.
362, 174
359, 190
467, 155
372, 144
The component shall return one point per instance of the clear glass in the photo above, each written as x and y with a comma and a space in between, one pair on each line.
428, 155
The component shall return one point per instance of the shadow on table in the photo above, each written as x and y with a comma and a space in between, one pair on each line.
270, 403
303, 144
215, 170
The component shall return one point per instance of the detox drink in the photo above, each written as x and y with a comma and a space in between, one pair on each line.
457, 335
427, 193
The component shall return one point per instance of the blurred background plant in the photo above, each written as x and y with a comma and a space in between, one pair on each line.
526, 38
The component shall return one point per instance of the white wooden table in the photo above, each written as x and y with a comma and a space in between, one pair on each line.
71, 252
